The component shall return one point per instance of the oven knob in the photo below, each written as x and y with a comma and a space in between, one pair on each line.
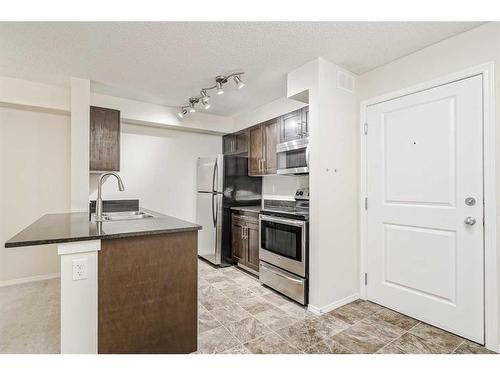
301, 193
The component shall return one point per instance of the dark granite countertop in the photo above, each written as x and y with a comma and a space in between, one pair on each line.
255, 209
72, 227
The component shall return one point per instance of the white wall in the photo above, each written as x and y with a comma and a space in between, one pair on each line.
158, 167
34, 180
475, 47
333, 180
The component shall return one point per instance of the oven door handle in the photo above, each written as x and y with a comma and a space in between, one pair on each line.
295, 223
280, 274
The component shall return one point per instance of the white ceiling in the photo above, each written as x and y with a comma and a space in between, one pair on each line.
167, 62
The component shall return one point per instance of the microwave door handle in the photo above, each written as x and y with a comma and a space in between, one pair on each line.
307, 154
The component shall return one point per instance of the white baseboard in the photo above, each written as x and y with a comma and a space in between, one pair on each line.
30, 279
334, 305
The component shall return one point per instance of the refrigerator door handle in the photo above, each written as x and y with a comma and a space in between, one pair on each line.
214, 193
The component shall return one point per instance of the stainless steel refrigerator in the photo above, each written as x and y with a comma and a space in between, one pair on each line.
222, 183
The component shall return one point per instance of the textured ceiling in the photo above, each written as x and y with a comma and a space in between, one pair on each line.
167, 62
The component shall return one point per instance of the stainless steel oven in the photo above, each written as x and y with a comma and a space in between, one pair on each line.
293, 156
283, 243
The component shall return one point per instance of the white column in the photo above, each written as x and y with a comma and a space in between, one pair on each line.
80, 125
79, 304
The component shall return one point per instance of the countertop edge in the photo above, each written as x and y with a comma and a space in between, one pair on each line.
11, 245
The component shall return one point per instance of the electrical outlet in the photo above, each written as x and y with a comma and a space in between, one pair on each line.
80, 269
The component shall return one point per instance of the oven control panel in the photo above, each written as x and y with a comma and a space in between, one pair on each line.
302, 194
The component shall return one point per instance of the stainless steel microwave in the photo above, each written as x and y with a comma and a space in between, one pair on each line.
293, 156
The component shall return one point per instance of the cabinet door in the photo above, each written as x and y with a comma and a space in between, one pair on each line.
255, 155
253, 245
305, 121
238, 243
227, 144
104, 139
290, 126
270, 130
241, 142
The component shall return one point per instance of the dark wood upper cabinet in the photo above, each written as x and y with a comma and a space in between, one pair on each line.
270, 131
290, 126
305, 121
262, 148
255, 151
236, 143
104, 139
294, 125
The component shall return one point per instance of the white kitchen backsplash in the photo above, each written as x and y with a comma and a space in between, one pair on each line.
282, 187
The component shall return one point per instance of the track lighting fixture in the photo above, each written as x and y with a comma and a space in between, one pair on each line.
220, 81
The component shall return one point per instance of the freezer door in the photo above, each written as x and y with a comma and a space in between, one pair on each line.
205, 175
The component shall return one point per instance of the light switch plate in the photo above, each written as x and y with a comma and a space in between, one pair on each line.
80, 267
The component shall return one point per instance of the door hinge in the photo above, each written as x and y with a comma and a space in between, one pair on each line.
365, 127
366, 279
366, 203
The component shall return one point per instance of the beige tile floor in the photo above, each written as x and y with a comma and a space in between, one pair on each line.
239, 315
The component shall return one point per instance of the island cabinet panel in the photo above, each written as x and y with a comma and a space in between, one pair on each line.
104, 139
147, 294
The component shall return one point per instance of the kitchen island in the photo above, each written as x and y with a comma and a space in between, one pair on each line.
127, 286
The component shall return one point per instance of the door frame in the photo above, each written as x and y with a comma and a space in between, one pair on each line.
489, 186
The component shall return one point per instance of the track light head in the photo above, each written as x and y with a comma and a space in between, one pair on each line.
205, 103
238, 82
192, 102
220, 90
182, 112
204, 95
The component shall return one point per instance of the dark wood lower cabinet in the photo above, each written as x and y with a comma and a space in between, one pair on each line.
245, 240
253, 243
148, 294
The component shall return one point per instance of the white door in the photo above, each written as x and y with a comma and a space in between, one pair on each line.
424, 160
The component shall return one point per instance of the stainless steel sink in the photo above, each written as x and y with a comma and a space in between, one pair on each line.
126, 215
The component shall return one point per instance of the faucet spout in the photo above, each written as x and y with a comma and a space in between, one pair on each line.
98, 203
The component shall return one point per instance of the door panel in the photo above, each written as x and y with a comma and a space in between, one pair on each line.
271, 139
291, 126
255, 152
424, 158
204, 178
204, 217
253, 246
238, 242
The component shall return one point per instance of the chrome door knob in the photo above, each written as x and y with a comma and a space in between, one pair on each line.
469, 220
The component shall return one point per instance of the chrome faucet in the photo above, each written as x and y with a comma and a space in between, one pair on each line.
98, 202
